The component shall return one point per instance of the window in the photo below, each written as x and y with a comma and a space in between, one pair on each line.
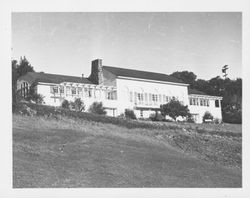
150, 99
154, 98
160, 98
146, 98
131, 96
217, 103
111, 95
61, 89
73, 91
140, 98
67, 90
54, 89
79, 91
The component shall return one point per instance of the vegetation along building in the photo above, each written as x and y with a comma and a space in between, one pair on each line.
119, 89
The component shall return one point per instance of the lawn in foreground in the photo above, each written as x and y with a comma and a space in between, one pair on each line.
65, 153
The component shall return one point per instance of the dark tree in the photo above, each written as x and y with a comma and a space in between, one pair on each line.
14, 79
33, 95
19, 69
186, 77
174, 109
24, 67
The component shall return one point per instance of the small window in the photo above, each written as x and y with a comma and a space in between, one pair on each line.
217, 103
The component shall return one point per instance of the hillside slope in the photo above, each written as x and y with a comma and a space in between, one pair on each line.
74, 153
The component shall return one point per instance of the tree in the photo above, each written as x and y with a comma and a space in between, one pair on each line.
33, 95
14, 79
97, 108
174, 109
19, 69
24, 67
186, 77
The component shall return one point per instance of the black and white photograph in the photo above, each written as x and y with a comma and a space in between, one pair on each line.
127, 99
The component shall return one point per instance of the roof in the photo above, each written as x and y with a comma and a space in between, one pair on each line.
53, 78
197, 92
141, 74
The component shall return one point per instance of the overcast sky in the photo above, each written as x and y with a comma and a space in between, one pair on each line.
66, 43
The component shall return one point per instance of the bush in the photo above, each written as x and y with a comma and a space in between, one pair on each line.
157, 117
190, 119
65, 104
207, 116
97, 108
79, 105
130, 114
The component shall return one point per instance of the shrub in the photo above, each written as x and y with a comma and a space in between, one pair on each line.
190, 119
97, 108
157, 117
207, 116
217, 121
130, 114
79, 105
65, 104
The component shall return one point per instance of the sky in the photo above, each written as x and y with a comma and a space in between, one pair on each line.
162, 42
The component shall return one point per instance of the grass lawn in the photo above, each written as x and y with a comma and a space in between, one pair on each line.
79, 153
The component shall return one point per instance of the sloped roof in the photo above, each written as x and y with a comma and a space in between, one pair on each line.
141, 74
52, 78
197, 92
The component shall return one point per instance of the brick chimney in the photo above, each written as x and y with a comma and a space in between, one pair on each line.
96, 75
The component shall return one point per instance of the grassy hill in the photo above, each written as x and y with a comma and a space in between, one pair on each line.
71, 152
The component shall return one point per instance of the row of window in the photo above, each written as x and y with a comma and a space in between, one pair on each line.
202, 102
79, 91
149, 99
199, 102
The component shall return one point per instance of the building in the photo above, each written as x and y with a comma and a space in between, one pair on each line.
119, 89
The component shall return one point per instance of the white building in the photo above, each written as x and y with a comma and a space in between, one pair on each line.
119, 89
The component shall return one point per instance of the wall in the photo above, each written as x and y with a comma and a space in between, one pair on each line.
124, 86
200, 110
